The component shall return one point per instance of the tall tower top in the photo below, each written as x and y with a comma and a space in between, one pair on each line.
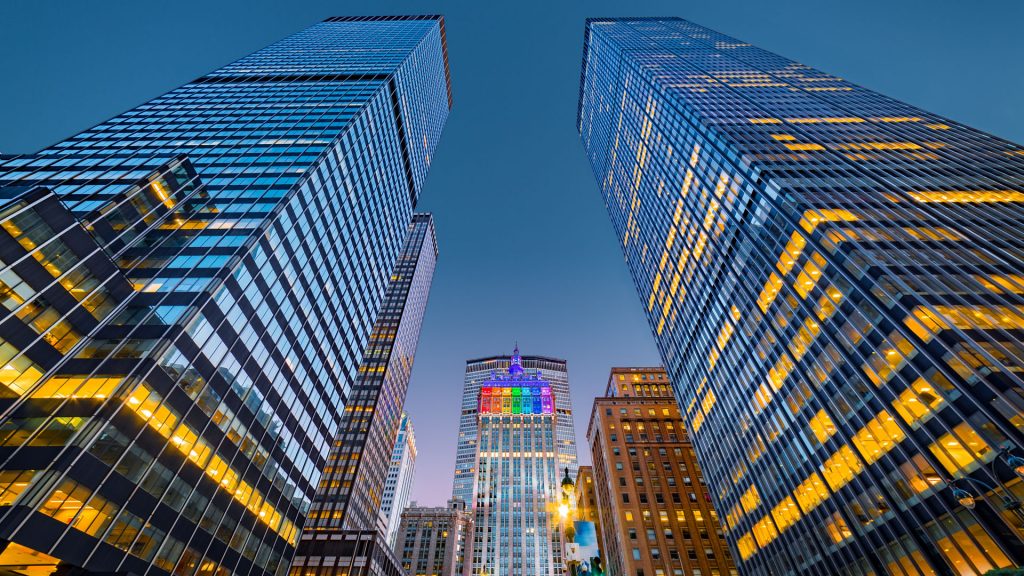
515, 367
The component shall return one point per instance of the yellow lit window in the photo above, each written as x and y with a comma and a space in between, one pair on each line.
812, 218
783, 137
750, 500
810, 493
765, 121
764, 531
792, 252
878, 436
966, 557
77, 387
822, 426
897, 119
769, 292
746, 546
12, 484
968, 196
1012, 283
27, 560
786, 513
841, 467
778, 373
828, 304
629, 516
888, 359
804, 147
959, 449
918, 402
809, 275
17, 373
837, 528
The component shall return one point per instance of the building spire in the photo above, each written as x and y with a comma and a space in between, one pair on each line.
515, 367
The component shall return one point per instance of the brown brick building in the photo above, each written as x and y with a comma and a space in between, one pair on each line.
654, 511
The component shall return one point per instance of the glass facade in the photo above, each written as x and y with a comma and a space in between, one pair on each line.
834, 280
516, 487
189, 288
552, 371
398, 487
356, 488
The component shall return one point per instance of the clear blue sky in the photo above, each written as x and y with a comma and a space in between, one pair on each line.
527, 252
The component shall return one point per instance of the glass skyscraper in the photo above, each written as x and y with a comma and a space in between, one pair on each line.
401, 473
551, 370
189, 289
835, 282
516, 487
356, 489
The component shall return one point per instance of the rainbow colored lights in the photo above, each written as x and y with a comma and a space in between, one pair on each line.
516, 400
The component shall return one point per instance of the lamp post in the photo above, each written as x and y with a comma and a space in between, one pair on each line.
566, 518
968, 500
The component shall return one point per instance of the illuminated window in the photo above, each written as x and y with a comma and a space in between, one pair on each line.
811, 492
809, 275
792, 252
77, 387
970, 552
804, 147
918, 402
24, 560
841, 467
746, 546
786, 513
878, 436
837, 528
750, 500
12, 484
812, 218
960, 449
822, 426
17, 373
770, 291
764, 531
968, 196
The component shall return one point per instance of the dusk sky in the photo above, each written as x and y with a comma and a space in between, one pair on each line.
526, 250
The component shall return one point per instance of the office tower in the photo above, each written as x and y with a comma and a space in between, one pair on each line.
435, 540
357, 488
586, 499
189, 288
834, 283
401, 472
516, 479
654, 507
551, 370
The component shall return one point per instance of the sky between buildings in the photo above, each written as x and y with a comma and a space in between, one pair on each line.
526, 250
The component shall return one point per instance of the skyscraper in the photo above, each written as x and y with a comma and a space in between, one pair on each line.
189, 287
435, 540
356, 489
516, 476
551, 370
834, 282
401, 472
655, 510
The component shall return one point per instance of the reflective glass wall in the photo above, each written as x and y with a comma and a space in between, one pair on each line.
188, 310
834, 280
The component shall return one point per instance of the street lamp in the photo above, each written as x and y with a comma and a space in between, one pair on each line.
1010, 502
566, 518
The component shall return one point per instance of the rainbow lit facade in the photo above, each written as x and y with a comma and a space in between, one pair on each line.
503, 398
